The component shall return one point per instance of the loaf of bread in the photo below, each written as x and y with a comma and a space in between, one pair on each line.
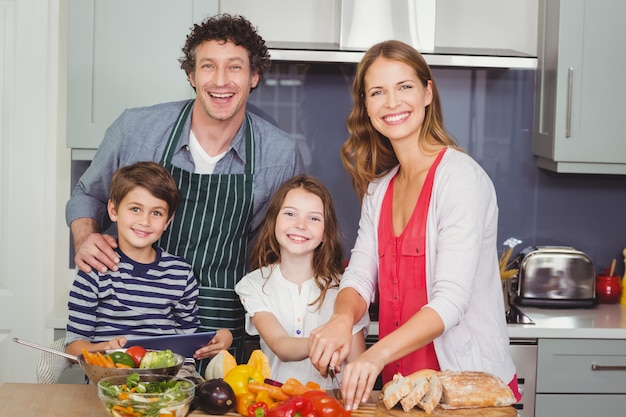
428, 389
395, 390
430, 401
471, 389
422, 373
419, 388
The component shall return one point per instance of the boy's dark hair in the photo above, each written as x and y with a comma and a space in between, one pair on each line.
225, 27
149, 175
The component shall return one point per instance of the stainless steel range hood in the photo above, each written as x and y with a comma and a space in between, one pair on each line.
342, 30
439, 57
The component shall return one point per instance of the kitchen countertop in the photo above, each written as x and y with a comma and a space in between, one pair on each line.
62, 400
51, 400
605, 321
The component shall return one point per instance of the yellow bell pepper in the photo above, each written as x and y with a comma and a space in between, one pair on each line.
264, 397
239, 377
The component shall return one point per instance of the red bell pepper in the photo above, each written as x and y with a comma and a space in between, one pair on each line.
258, 409
293, 407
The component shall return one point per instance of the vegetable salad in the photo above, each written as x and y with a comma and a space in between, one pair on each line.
136, 398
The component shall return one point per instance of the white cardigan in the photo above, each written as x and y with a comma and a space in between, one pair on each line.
462, 274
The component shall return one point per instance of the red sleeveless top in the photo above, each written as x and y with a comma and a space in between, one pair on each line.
402, 275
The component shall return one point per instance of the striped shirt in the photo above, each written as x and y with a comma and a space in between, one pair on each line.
137, 300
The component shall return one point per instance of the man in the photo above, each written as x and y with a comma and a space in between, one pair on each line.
227, 163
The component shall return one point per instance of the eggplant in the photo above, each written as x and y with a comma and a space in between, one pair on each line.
214, 396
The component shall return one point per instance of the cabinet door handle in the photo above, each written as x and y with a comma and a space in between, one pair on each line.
568, 114
595, 367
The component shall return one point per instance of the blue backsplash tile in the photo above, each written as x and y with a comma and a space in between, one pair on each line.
490, 114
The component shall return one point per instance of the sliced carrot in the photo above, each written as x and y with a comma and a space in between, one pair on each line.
89, 357
123, 396
274, 391
292, 387
126, 410
110, 362
313, 385
103, 361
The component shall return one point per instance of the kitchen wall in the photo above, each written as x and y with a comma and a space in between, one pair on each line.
490, 113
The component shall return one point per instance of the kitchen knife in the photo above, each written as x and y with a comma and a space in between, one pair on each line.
336, 391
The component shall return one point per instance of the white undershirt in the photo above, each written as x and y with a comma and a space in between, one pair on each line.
205, 164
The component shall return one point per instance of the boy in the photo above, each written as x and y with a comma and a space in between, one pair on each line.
153, 292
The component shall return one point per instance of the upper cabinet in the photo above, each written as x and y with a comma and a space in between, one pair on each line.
580, 89
124, 54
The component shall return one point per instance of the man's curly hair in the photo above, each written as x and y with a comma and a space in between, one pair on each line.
226, 27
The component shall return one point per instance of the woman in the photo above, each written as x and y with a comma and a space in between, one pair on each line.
427, 237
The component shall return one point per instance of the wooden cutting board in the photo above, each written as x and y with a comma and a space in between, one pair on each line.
379, 410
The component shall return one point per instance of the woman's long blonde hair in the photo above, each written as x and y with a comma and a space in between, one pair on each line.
367, 154
328, 262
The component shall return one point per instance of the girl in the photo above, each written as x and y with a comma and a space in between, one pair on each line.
298, 261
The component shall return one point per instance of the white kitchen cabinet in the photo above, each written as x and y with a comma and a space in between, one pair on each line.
309, 21
524, 354
580, 90
580, 377
124, 54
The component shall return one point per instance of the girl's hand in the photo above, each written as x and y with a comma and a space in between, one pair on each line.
222, 340
329, 344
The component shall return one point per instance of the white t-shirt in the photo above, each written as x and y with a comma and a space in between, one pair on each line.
291, 307
204, 163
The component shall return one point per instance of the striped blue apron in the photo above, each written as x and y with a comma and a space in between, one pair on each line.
210, 230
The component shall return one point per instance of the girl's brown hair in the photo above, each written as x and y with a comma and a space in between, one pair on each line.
328, 256
367, 154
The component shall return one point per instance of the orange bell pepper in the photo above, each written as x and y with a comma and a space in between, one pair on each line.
243, 401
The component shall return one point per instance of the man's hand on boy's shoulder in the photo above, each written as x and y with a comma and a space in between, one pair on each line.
93, 250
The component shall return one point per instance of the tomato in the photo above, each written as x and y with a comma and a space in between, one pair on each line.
136, 353
325, 405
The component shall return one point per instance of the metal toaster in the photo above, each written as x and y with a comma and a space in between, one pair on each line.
554, 276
